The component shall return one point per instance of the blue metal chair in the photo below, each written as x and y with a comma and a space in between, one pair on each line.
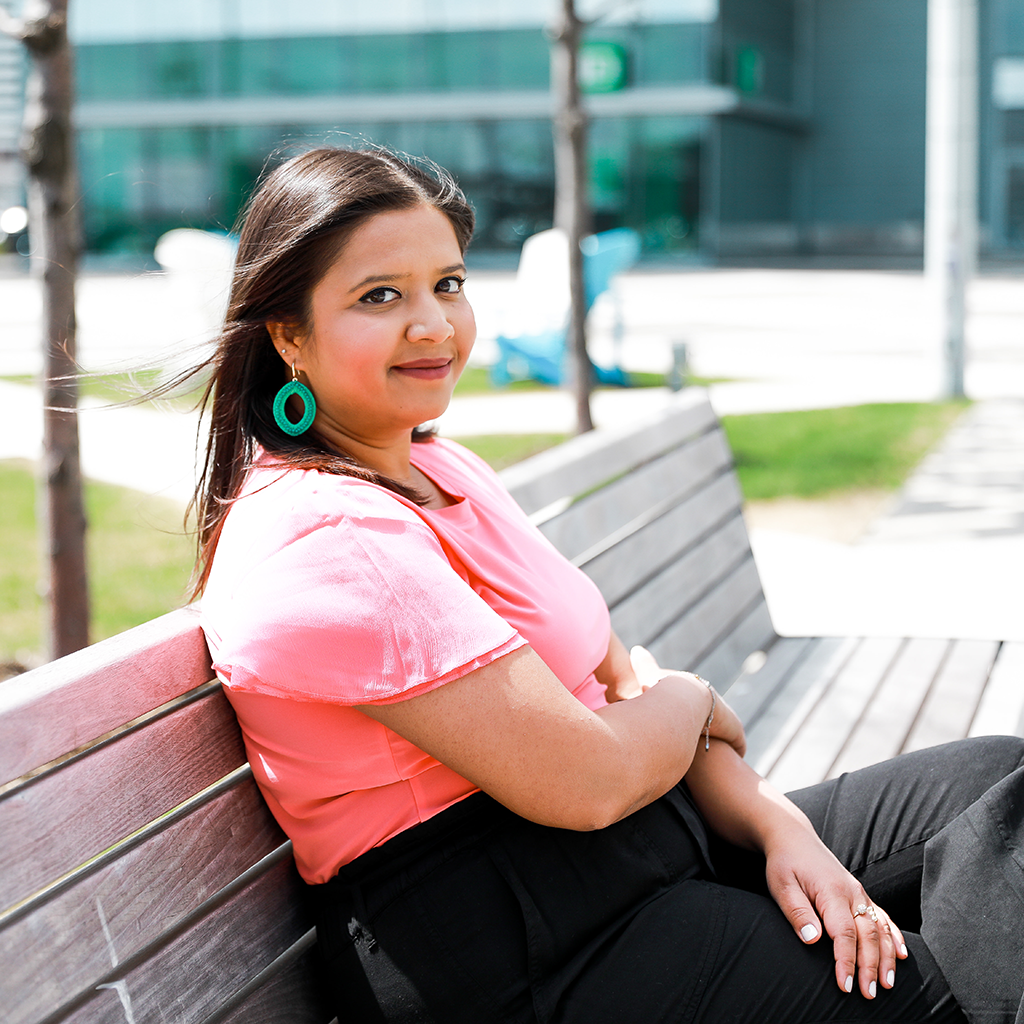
540, 354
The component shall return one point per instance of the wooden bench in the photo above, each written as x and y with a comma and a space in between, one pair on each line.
143, 878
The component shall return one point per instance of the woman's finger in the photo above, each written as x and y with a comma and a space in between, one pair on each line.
647, 670
842, 926
799, 910
869, 947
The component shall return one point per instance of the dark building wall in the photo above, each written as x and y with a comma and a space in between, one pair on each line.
756, 166
865, 153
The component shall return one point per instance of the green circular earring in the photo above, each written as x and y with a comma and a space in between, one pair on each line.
294, 387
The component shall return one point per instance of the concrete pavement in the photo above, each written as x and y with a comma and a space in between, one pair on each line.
788, 339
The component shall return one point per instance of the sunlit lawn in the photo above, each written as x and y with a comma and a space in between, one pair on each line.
139, 561
823, 451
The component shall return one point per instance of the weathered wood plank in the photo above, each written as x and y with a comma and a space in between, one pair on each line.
824, 731
66, 945
691, 639
665, 599
885, 725
778, 722
656, 485
753, 633
951, 703
55, 822
1001, 710
61, 706
751, 694
644, 552
586, 461
189, 978
293, 995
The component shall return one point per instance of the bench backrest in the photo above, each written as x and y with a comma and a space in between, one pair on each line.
143, 878
652, 511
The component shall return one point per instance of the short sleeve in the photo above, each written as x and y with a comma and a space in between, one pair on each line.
362, 607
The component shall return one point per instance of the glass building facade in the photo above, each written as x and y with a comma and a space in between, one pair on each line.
717, 126
468, 97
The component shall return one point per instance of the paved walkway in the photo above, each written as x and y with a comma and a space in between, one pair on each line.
946, 561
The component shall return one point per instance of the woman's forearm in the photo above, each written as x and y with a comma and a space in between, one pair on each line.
736, 802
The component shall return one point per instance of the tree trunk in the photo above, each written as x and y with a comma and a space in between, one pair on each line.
48, 152
571, 207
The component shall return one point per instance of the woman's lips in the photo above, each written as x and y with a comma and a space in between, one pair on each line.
426, 369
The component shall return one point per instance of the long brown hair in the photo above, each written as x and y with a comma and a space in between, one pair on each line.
294, 227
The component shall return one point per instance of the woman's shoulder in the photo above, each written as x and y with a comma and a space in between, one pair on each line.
307, 498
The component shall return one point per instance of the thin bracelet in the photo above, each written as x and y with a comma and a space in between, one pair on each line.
711, 716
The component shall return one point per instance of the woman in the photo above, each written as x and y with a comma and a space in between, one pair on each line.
502, 815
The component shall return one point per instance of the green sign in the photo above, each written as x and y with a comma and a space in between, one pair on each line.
749, 70
602, 67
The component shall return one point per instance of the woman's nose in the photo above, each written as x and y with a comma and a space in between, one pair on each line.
429, 322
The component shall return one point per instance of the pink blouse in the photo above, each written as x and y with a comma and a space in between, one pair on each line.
328, 592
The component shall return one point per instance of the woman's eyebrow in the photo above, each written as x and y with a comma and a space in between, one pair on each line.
389, 278
376, 279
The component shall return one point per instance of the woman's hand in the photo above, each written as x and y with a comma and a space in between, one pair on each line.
725, 725
811, 887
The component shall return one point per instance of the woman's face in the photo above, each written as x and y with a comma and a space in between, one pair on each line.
390, 329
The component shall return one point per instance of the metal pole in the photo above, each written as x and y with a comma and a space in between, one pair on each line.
951, 173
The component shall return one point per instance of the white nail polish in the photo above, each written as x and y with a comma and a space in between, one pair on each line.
872, 988
903, 949
808, 932
849, 984
890, 979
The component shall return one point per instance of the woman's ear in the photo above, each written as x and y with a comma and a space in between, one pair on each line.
286, 340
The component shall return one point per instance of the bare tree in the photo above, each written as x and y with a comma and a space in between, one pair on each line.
572, 211
48, 152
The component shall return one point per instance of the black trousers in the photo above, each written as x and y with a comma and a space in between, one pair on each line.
479, 916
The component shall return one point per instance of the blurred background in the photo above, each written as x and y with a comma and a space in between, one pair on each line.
721, 129
773, 159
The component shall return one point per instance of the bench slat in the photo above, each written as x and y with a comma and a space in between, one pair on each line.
65, 946
56, 822
778, 723
660, 483
724, 664
822, 733
189, 979
288, 998
663, 601
586, 461
883, 730
751, 694
1002, 704
643, 554
64, 705
693, 637
952, 702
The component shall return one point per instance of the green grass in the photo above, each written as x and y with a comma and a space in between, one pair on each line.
824, 451
116, 388
501, 450
476, 380
139, 561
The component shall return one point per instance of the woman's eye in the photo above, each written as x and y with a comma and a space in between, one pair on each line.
451, 285
379, 295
